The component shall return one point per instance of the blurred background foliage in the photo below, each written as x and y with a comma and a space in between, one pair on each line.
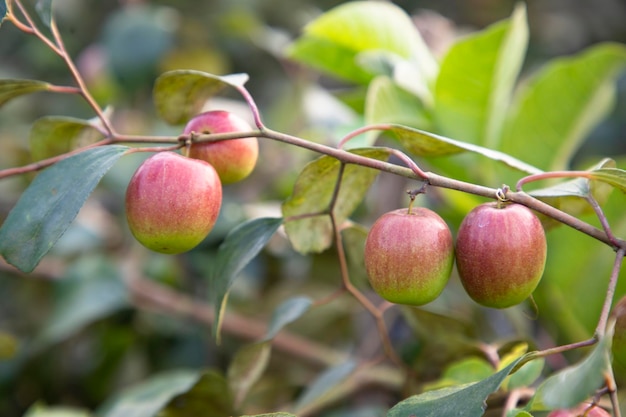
71, 333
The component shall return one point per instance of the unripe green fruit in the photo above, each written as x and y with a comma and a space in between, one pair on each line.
619, 336
233, 159
500, 254
409, 256
172, 202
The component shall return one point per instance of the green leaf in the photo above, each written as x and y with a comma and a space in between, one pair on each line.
325, 384
279, 414
178, 95
3, 10
386, 102
461, 401
332, 42
92, 289
11, 88
41, 410
246, 368
150, 396
52, 135
518, 413
287, 312
44, 10
571, 196
422, 143
582, 380
313, 193
208, 397
50, 204
476, 80
612, 176
239, 247
557, 108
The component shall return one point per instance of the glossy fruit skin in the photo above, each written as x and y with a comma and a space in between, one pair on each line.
501, 253
581, 410
172, 202
409, 257
618, 346
233, 159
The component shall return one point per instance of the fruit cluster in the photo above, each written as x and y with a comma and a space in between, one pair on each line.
173, 201
500, 254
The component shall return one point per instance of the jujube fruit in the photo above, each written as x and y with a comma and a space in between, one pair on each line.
500, 254
618, 346
172, 202
409, 256
582, 410
233, 159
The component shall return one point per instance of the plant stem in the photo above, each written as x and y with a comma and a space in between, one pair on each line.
610, 292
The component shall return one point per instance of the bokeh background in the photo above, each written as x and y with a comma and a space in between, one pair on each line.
120, 48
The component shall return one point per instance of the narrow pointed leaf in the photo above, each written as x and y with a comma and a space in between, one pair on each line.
40, 410
422, 143
44, 10
50, 204
287, 312
462, 401
313, 194
476, 81
582, 381
52, 135
147, 398
11, 88
246, 368
240, 246
325, 384
180, 94
558, 107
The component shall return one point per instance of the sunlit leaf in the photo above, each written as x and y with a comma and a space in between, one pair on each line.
50, 204
246, 368
239, 247
524, 375
461, 372
11, 88
386, 102
612, 176
313, 194
272, 415
148, 397
332, 42
44, 10
41, 410
476, 80
518, 413
571, 196
287, 312
422, 143
180, 94
325, 384
462, 401
92, 289
582, 380
558, 107
208, 397
53, 135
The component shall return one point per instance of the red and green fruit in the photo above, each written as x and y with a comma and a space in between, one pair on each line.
172, 202
233, 159
500, 254
409, 254
581, 410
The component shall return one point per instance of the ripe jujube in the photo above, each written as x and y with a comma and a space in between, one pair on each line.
233, 159
172, 202
500, 253
409, 254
